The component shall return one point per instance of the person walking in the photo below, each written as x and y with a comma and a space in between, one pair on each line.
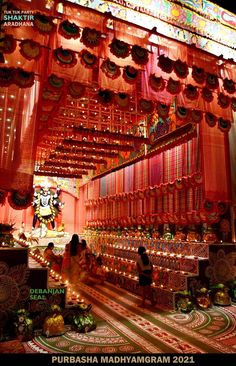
145, 271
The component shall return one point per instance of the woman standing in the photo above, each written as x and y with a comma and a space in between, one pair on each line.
71, 250
145, 269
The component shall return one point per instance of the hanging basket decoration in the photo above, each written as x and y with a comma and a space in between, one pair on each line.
233, 104
130, 74
55, 82
166, 64
173, 86
64, 57
181, 69
89, 60
23, 79
122, 100
223, 100
105, 96
30, 49
191, 92
182, 113
224, 125
211, 119
212, 81
43, 23
196, 115
229, 86
119, 48
157, 83
110, 69
69, 30
146, 106
162, 109
207, 94
19, 200
3, 196
6, 76
90, 37
198, 74
7, 44
76, 90
139, 55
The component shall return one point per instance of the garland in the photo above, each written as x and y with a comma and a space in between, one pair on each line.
119, 48
64, 57
198, 74
90, 37
130, 74
156, 83
166, 64
37, 211
89, 60
139, 55
69, 30
30, 49
7, 44
181, 69
110, 69
43, 23
20, 200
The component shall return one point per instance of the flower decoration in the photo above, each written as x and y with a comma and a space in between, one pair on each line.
166, 64
130, 74
173, 86
198, 74
89, 60
181, 69
212, 81
211, 119
229, 86
105, 96
55, 82
30, 49
3, 196
6, 76
139, 55
224, 124
182, 113
90, 37
122, 100
146, 106
110, 69
196, 115
119, 48
64, 57
23, 325
162, 109
76, 90
69, 30
20, 200
43, 23
233, 104
223, 100
207, 94
23, 78
156, 83
7, 44
191, 92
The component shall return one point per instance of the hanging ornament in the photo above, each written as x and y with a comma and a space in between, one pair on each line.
224, 125
89, 60
90, 37
64, 57
6, 76
105, 96
198, 74
23, 79
222, 207
43, 23
207, 94
166, 64
122, 100
229, 86
191, 92
233, 104
119, 48
182, 113
156, 83
110, 69
7, 44
173, 86
211, 119
139, 55
162, 109
146, 106
19, 200
181, 69
212, 81
69, 30
30, 49
76, 90
130, 74
223, 100
55, 82
196, 115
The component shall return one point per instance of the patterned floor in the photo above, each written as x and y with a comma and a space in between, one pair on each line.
123, 327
